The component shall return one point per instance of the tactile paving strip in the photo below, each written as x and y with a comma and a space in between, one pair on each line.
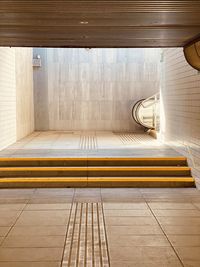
86, 241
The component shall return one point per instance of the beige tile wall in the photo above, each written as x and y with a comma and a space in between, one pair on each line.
181, 100
24, 92
7, 97
16, 94
79, 89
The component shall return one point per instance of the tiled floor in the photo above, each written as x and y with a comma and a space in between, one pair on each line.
88, 144
97, 227
119, 227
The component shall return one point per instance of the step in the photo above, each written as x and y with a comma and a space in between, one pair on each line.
93, 171
30, 162
139, 182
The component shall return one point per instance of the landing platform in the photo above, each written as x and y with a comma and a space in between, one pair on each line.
87, 144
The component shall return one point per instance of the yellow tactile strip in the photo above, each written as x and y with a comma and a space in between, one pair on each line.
86, 241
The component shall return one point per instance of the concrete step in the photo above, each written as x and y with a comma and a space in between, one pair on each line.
126, 171
139, 182
56, 162
95, 172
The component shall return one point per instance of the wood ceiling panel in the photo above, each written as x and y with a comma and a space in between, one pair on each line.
20, 42
103, 32
96, 19
33, 6
98, 23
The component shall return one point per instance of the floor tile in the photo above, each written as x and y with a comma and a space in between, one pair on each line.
191, 263
1, 239
188, 253
171, 206
8, 218
8, 207
186, 213
43, 217
142, 254
30, 254
185, 240
121, 199
52, 200
38, 230
138, 241
22, 241
4, 230
187, 221
134, 220
134, 230
135, 237
153, 263
30, 264
58, 206
181, 230
125, 206
197, 204
14, 200
127, 213
44, 192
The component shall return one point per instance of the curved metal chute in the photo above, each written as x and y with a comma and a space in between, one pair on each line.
146, 113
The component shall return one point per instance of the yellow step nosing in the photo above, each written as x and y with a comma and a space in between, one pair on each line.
65, 180
97, 159
38, 180
142, 179
90, 168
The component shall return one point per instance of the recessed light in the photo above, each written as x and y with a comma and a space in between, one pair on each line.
84, 22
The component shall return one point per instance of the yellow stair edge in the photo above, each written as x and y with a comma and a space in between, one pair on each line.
97, 182
95, 179
95, 159
91, 168
40, 180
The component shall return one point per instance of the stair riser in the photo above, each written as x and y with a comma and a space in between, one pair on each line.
92, 162
95, 173
102, 184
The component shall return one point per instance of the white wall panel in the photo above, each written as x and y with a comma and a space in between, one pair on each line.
80, 89
181, 104
24, 92
16, 94
7, 97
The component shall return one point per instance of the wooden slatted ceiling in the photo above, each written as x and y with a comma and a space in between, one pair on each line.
57, 23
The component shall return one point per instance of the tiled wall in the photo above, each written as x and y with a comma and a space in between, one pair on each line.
24, 92
7, 97
181, 101
16, 89
81, 89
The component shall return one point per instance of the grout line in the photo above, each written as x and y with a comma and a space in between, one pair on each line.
165, 234
99, 235
105, 230
86, 234
72, 238
79, 236
20, 213
93, 261
67, 232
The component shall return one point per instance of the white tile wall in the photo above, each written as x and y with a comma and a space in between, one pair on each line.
24, 91
7, 97
79, 89
16, 94
181, 101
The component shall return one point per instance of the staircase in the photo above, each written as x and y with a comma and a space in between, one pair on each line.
95, 172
